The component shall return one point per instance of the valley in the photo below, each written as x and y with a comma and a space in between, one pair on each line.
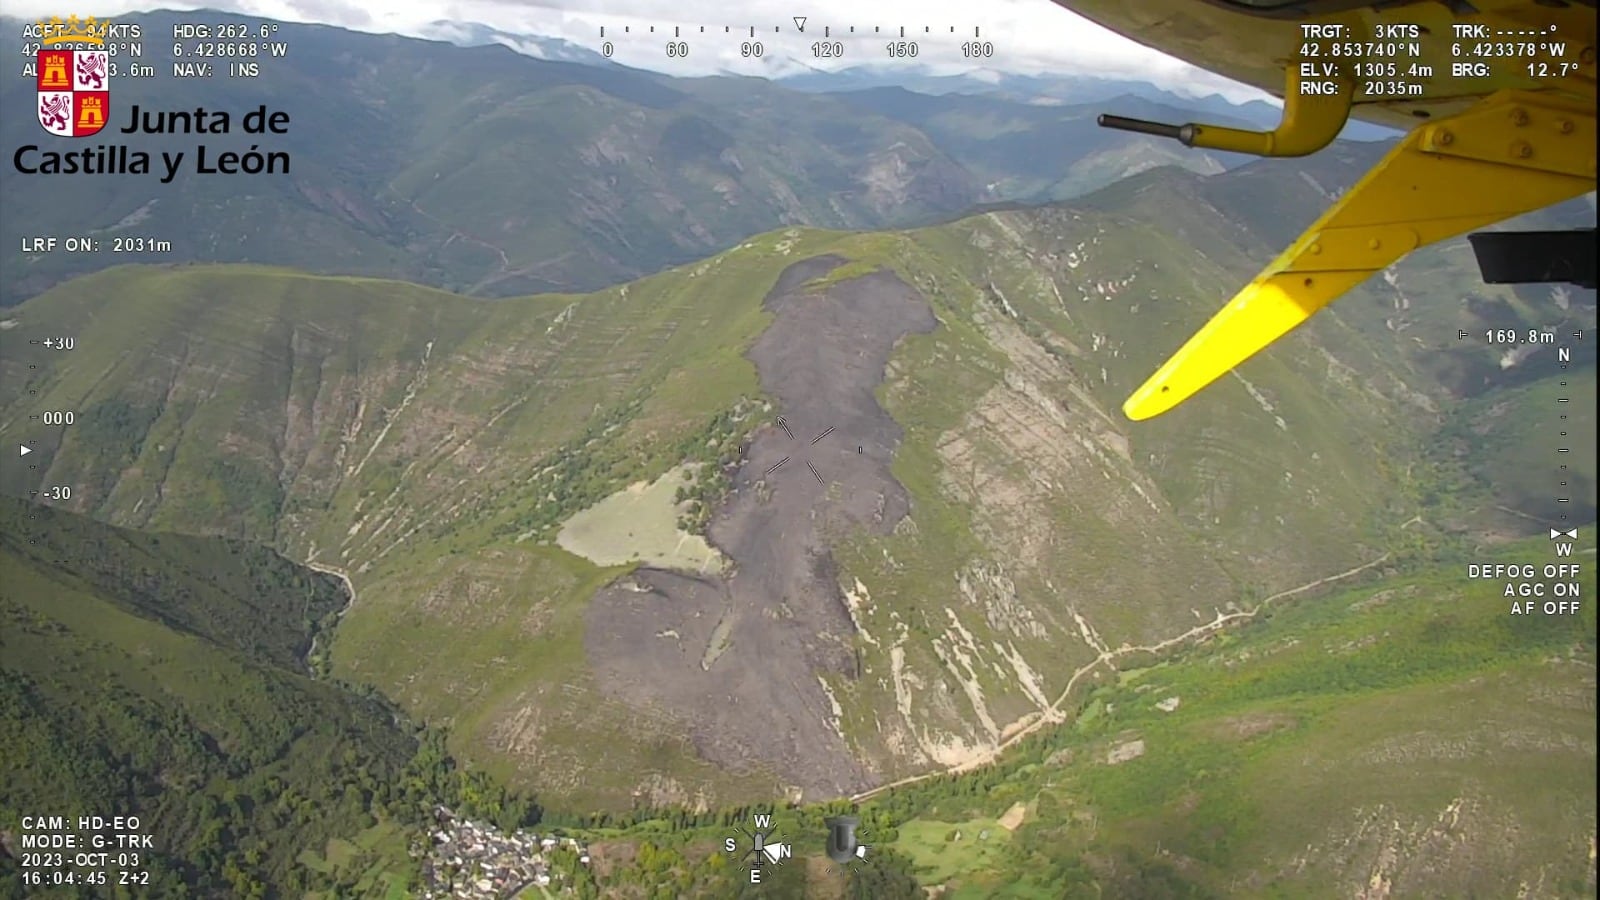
434, 447
608, 457
599, 174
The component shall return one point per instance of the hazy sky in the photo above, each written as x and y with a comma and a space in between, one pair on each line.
1028, 35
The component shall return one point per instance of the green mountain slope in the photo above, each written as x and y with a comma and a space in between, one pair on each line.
486, 172
1040, 152
1415, 736
997, 527
474, 169
1420, 306
1444, 332
1505, 441
161, 676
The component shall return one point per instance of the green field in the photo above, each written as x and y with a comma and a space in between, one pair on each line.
1410, 736
639, 524
1413, 732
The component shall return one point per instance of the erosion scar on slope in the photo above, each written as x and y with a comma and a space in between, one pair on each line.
779, 620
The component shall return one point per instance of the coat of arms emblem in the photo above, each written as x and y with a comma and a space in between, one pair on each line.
74, 91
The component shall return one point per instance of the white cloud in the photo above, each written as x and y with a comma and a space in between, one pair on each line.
1029, 36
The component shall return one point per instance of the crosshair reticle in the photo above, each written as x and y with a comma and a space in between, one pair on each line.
814, 441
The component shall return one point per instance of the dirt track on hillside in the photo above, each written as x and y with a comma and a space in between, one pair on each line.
1108, 659
779, 621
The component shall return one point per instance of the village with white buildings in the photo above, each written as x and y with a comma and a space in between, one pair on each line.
470, 860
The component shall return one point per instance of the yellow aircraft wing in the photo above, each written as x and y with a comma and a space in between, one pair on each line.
1498, 97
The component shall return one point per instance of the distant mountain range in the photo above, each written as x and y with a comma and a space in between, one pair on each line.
1058, 90
1040, 89
436, 446
835, 495
476, 34
564, 173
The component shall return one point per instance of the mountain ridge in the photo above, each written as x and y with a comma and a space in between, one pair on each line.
597, 175
366, 449
824, 521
